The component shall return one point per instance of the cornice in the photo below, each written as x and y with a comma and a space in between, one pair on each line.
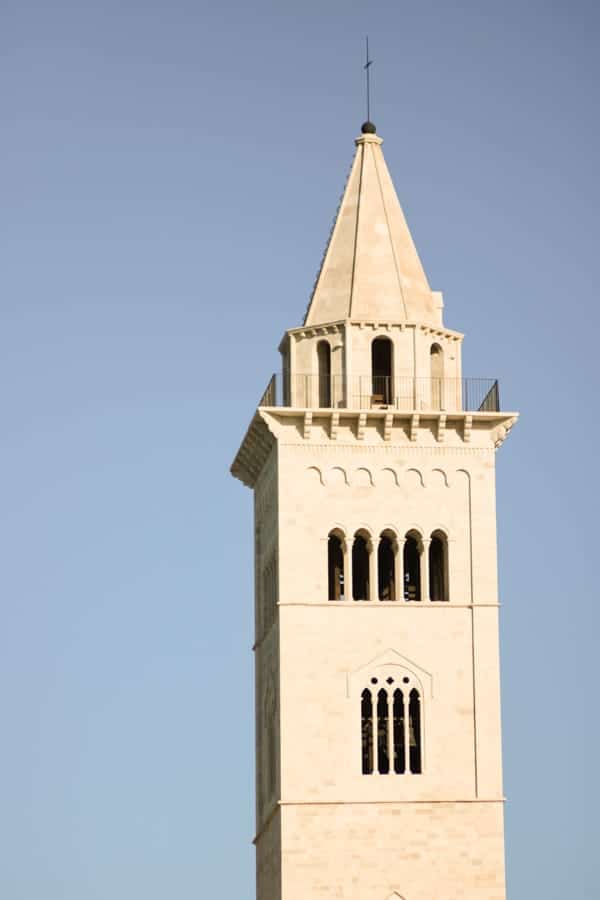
253, 452
311, 331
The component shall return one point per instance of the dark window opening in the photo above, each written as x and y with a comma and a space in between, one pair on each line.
335, 557
360, 569
399, 750
437, 376
366, 725
412, 569
438, 581
383, 759
414, 719
381, 371
386, 567
324, 363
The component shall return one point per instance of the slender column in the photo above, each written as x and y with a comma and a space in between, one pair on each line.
425, 595
347, 568
373, 571
398, 548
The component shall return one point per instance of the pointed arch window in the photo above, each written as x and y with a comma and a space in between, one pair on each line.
436, 355
360, 567
386, 567
438, 567
382, 365
391, 725
412, 566
335, 564
324, 367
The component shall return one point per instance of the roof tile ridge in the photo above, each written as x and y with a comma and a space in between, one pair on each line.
358, 203
387, 220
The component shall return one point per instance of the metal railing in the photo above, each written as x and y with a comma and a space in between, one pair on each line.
383, 392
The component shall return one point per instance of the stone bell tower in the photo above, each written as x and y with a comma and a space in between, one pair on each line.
378, 755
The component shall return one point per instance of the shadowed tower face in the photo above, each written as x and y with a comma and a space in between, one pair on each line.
372, 461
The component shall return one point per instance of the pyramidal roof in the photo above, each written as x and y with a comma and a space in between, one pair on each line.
371, 270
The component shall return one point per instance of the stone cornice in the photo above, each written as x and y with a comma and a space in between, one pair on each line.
372, 432
311, 331
254, 452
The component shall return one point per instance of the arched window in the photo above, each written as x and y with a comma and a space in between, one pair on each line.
386, 568
390, 723
335, 565
366, 725
382, 371
412, 567
324, 364
383, 723
438, 567
360, 567
414, 715
399, 728
437, 376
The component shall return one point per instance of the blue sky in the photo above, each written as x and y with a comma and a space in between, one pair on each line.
169, 175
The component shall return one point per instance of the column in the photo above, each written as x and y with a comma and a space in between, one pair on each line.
398, 548
347, 551
373, 571
425, 570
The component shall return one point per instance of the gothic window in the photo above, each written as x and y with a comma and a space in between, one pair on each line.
324, 366
360, 567
382, 371
335, 564
383, 721
412, 567
386, 568
437, 376
414, 715
398, 725
390, 723
438, 567
366, 724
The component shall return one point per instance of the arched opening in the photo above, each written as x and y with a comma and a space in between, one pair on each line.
414, 730
386, 568
324, 364
438, 567
383, 759
412, 567
399, 748
382, 371
335, 566
366, 727
360, 568
437, 376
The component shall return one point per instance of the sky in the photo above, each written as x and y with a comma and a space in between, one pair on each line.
169, 173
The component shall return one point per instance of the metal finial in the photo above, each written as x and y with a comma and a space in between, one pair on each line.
367, 68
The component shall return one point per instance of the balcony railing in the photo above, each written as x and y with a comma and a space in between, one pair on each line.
383, 392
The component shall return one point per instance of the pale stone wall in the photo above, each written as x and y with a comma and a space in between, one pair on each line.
429, 851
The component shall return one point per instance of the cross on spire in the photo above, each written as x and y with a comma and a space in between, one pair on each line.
367, 68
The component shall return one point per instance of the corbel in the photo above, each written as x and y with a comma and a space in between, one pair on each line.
414, 426
387, 426
307, 424
362, 424
468, 425
441, 428
334, 425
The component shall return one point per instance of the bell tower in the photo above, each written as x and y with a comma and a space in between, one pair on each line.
372, 461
